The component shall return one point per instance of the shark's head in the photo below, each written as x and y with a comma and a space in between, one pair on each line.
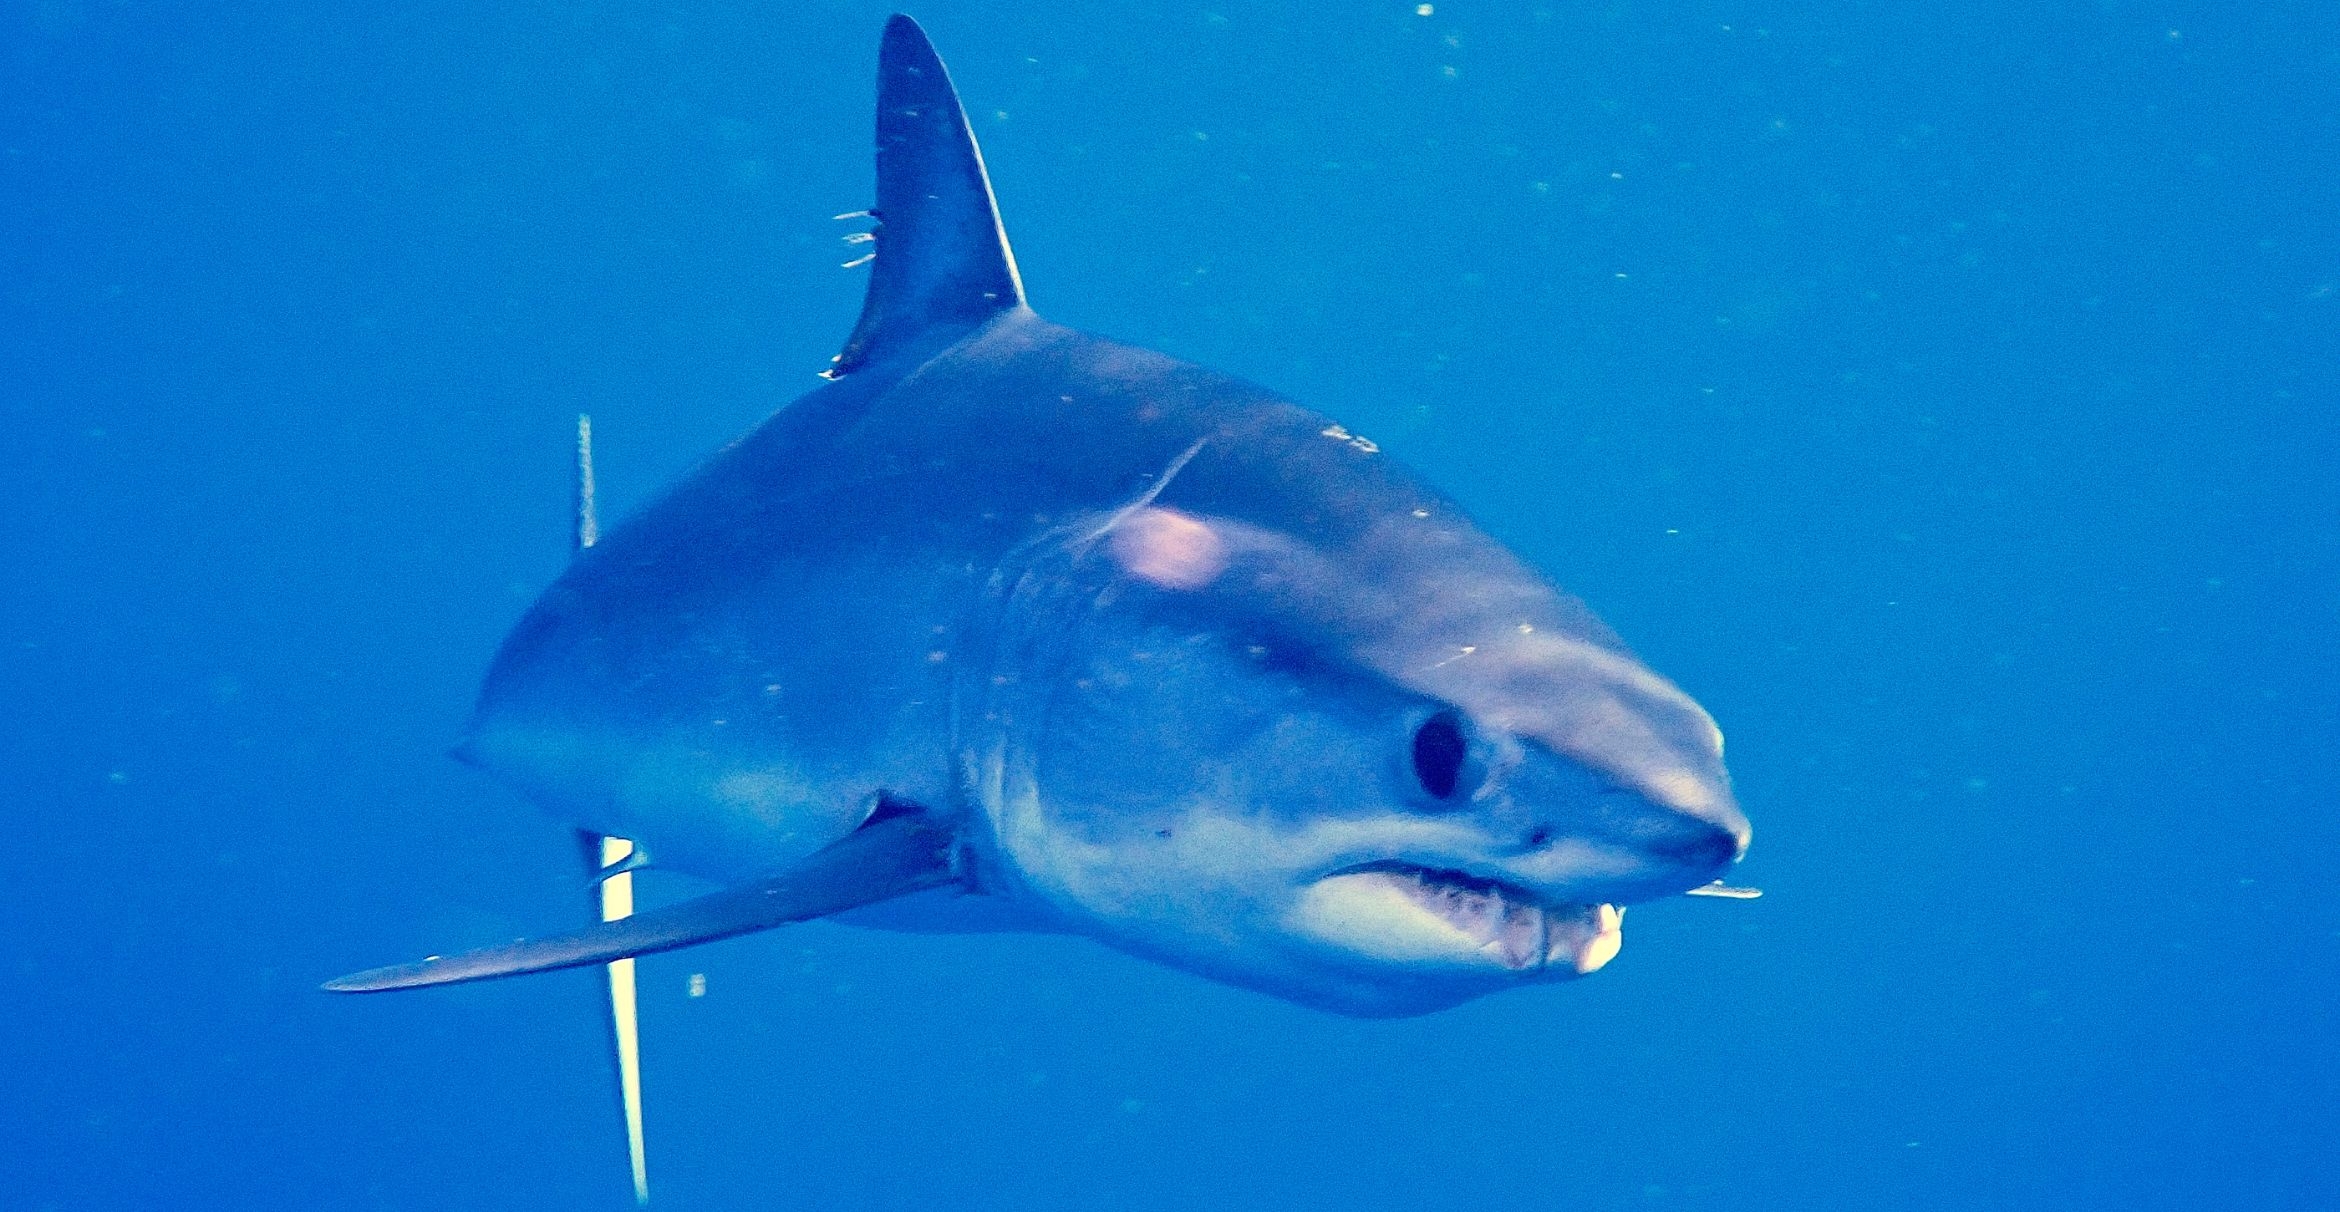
1380, 775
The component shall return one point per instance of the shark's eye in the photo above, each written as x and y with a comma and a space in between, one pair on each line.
1440, 749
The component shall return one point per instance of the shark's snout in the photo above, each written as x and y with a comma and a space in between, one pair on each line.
1584, 835
1696, 847
1713, 837
1700, 844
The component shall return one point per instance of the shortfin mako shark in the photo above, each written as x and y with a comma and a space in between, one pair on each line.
1006, 626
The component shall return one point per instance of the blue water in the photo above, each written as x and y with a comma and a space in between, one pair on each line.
1945, 395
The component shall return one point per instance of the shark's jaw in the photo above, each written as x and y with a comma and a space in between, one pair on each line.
1407, 915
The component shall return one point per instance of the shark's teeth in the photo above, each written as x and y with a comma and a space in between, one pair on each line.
1587, 941
1513, 929
1510, 929
1407, 914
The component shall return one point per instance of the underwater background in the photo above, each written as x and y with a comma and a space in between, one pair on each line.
1944, 394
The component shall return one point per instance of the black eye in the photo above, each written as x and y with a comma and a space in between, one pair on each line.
1439, 751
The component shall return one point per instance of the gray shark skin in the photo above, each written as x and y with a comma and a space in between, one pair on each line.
1131, 648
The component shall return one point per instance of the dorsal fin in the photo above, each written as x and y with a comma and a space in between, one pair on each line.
942, 258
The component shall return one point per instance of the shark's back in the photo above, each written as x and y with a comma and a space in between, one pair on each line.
786, 623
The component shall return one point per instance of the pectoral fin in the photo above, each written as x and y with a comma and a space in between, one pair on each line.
889, 857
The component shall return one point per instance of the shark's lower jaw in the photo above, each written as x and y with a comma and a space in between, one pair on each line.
1404, 914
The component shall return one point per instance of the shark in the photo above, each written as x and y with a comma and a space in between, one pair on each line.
1006, 626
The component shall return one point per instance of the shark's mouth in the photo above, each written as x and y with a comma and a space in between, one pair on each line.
1402, 912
